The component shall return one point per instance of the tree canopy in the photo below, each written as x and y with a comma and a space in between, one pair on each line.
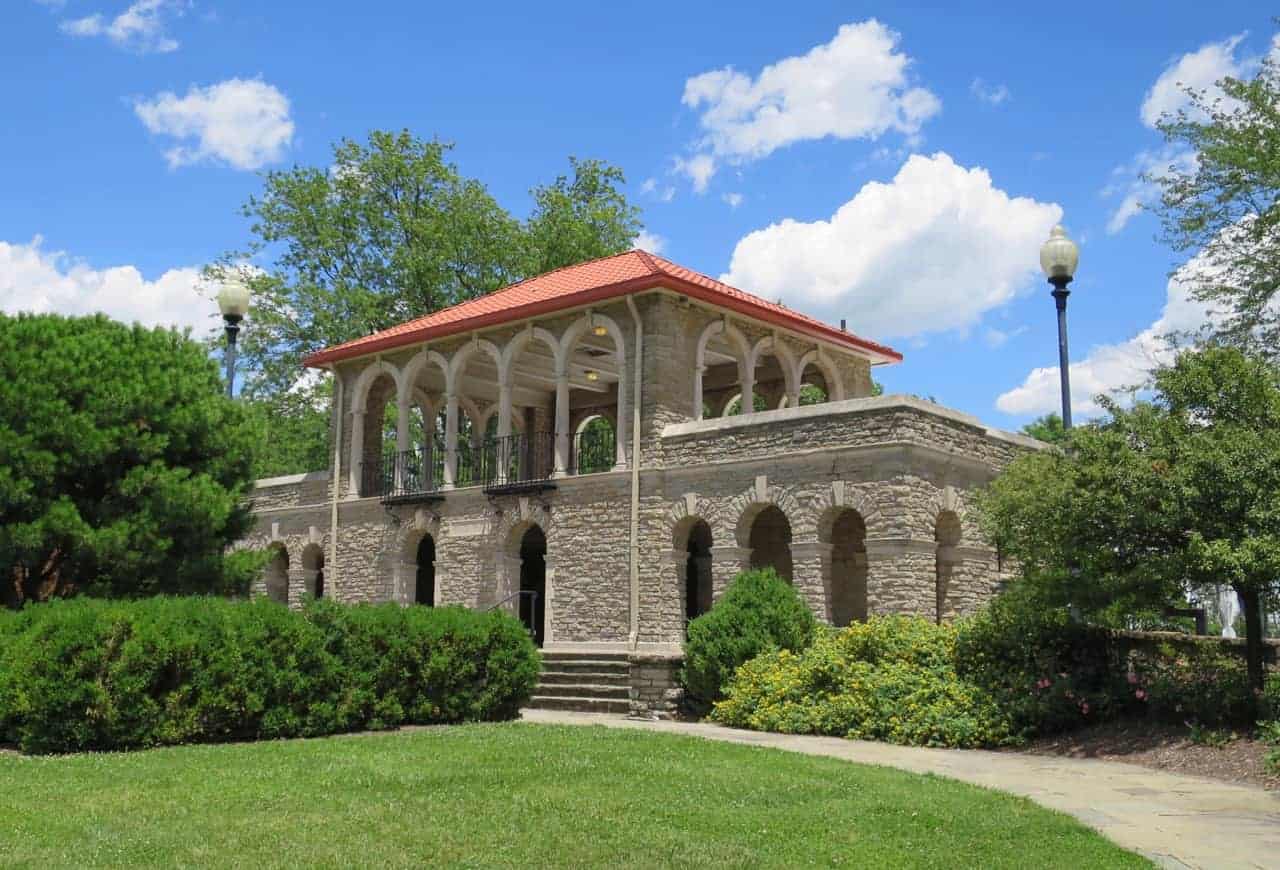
389, 231
1221, 205
122, 462
1179, 492
1047, 428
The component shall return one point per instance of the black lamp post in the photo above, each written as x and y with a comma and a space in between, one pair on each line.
1059, 257
233, 301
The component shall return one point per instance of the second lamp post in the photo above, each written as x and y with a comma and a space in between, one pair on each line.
233, 302
1059, 257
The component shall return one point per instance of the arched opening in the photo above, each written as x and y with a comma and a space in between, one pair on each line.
313, 565
533, 582
697, 572
378, 435
719, 358
594, 447
276, 576
848, 539
947, 535
770, 542
424, 590
771, 377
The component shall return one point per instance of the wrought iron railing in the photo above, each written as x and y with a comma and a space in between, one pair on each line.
593, 449
405, 475
517, 461
526, 609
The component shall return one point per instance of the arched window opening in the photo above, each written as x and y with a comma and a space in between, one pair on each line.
770, 542
947, 533
594, 447
533, 582
848, 541
770, 385
276, 576
697, 572
424, 591
378, 438
313, 565
720, 354
814, 389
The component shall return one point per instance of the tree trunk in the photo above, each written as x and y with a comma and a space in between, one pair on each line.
1252, 603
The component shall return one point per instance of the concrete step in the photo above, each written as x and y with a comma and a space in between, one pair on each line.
585, 666
583, 690
584, 656
580, 705
560, 678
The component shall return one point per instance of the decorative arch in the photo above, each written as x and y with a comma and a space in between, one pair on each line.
275, 576
769, 345
681, 514
826, 508
830, 373
568, 341
313, 570
712, 329
424, 524
947, 500
523, 339
461, 356
359, 406
421, 360
366, 380
747, 505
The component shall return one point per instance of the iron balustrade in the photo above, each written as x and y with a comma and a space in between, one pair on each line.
406, 475
517, 461
594, 449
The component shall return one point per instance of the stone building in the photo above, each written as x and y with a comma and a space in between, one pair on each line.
602, 448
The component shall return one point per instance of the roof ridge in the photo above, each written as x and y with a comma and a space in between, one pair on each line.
648, 260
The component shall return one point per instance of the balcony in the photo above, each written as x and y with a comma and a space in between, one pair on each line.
410, 476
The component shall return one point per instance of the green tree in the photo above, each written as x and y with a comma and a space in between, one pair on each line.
1048, 429
122, 463
1179, 492
1222, 208
579, 218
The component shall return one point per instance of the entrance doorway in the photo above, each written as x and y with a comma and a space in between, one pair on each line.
424, 592
533, 582
770, 542
697, 573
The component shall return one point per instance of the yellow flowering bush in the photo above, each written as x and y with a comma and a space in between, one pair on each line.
891, 679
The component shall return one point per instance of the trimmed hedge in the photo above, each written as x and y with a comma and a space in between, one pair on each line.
89, 674
758, 612
891, 678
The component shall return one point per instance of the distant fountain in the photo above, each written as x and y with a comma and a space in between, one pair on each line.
1228, 610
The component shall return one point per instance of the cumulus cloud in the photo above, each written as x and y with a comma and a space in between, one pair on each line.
647, 241
699, 168
733, 200
242, 123
42, 281
1136, 182
932, 250
650, 187
991, 94
141, 27
1200, 70
854, 87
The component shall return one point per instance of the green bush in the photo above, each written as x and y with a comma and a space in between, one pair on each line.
1046, 671
758, 612
90, 674
1196, 683
891, 679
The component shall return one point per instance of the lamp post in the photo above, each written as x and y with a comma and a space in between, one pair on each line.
233, 301
1059, 257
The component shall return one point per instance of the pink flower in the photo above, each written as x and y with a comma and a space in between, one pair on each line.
1140, 695
1133, 679
1084, 708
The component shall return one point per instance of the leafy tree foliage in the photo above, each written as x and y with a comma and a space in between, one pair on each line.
122, 463
1223, 207
1048, 429
1181, 491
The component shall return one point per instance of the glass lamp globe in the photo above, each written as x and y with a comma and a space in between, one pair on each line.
1059, 256
233, 299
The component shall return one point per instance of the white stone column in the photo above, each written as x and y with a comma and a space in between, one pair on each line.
623, 429
402, 439
357, 453
562, 423
450, 440
747, 403
504, 406
698, 375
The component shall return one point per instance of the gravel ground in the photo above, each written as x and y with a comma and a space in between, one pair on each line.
1164, 747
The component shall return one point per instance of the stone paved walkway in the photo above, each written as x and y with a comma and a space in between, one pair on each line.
1177, 821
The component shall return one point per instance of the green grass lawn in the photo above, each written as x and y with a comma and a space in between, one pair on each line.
514, 795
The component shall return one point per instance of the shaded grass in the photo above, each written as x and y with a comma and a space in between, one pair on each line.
515, 795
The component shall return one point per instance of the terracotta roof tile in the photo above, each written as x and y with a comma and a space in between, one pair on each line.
594, 280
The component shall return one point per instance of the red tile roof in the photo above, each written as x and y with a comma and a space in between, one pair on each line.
593, 281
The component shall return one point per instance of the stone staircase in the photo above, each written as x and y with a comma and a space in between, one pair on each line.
584, 682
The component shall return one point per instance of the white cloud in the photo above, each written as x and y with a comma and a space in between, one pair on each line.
647, 241
665, 193
1200, 69
854, 87
733, 199
243, 123
140, 27
1108, 368
699, 168
991, 94
994, 337
1137, 182
932, 250
42, 281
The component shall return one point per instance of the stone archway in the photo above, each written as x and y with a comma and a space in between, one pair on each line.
698, 587
847, 537
770, 541
947, 533
313, 570
276, 576
424, 590
533, 581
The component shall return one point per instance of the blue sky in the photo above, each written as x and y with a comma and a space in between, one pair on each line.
893, 164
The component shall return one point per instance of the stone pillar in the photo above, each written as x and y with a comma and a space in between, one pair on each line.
901, 577
697, 391
811, 575
727, 562
548, 611
450, 440
402, 440
356, 462
504, 406
301, 585
406, 578
747, 404
562, 423
623, 427
508, 583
